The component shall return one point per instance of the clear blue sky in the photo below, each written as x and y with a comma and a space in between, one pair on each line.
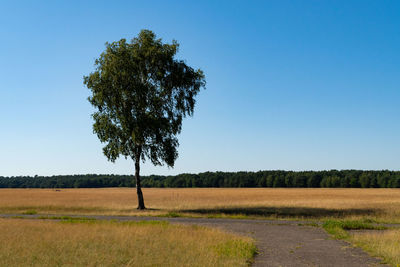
293, 85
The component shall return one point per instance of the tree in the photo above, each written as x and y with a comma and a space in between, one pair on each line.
141, 93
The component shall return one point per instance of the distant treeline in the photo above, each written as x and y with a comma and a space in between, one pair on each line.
332, 178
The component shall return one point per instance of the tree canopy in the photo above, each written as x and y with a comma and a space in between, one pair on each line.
141, 93
277, 178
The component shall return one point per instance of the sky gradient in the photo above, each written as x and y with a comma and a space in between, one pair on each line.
292, 85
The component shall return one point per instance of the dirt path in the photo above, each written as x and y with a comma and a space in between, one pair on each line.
280, 243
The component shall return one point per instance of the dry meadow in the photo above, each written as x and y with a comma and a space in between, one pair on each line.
383, 244
304, 203
99, 243
49, 243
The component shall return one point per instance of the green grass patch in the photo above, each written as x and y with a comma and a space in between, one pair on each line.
237, 249
337, 228
66, 218
171, 214
29, 212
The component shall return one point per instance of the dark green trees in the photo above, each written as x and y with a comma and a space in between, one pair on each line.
141, 94
332, 178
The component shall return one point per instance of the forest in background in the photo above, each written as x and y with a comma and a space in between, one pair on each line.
278, 178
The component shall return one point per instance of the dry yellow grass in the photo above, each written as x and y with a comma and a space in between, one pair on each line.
380, 244
379, 204
49, 243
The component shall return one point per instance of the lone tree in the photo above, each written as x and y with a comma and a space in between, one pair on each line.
141, 93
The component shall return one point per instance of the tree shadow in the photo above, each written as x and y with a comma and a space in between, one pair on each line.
286, 212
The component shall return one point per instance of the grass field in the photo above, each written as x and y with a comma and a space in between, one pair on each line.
341, 209
384, 244
95, 243
379, 240
382, 205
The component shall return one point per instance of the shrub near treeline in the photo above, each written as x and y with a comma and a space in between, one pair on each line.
312, 179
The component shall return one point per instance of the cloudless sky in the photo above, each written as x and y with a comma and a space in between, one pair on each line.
293, 85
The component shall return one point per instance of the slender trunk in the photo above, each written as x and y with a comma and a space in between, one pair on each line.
137, 177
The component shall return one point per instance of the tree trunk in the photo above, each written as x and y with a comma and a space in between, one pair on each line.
137, 177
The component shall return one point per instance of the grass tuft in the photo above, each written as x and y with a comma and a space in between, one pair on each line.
312, 224
236, 248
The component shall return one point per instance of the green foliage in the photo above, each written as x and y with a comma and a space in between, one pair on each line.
384, 179
141, 93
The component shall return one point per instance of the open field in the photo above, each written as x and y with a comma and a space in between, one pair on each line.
279, 243
358, 208
382, 205
50, 243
